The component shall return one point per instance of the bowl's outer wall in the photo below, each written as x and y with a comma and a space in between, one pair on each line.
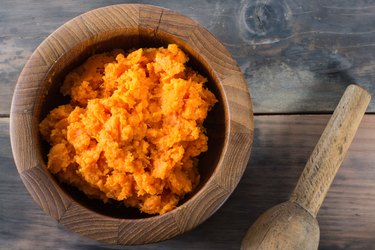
230, 123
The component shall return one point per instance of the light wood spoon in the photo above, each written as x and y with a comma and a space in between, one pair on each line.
293, 224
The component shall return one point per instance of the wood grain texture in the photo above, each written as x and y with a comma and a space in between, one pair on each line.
292, 224
298, 131
28, 159
298, 56
284, 226
302, 52
86, 223
46, 192
281, 148
131, 26
131, 232
328, 154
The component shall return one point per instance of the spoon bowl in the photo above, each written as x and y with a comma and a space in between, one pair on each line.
288, 221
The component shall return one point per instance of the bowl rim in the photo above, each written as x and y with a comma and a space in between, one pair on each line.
233, 160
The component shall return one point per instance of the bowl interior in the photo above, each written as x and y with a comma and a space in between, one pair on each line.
216, 122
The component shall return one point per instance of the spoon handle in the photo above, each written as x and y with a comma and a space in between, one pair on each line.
330, 150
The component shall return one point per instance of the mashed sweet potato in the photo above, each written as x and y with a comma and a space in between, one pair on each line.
132, 129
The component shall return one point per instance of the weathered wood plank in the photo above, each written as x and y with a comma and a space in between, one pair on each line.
297, 55
281, 147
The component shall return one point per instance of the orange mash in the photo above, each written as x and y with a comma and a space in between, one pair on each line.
132, 129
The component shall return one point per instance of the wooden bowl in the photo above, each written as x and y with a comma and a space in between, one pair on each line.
229, 125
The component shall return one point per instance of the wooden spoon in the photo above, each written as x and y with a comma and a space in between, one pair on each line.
293, 224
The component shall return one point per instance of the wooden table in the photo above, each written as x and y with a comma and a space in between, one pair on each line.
298, 56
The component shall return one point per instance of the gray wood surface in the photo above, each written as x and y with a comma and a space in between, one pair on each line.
297, 55
281, 147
